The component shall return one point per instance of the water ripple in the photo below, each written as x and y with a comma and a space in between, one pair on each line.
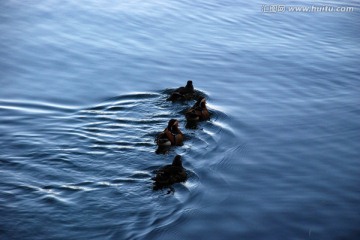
71, 155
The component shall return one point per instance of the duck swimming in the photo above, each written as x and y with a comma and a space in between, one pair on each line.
170, 174
171, 136
198, 112
183, 93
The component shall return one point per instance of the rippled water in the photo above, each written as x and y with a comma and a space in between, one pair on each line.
83, 96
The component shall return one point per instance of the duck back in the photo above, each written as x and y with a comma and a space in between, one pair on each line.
168, 175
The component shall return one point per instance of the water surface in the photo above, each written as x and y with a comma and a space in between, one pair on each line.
83, 96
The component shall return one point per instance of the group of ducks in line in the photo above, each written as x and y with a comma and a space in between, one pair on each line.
172, 135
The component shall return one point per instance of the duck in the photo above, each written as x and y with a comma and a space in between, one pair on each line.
183, 93
170, 174
198, 112
171, 136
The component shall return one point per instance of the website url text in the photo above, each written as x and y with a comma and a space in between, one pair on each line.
275, 8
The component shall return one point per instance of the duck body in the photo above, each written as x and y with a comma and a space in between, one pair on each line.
163, 140
170, 174
198, 112
183, 93
171, 136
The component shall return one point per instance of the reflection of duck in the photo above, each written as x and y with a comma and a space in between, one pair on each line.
170, 174
183, 93
171, 135
198, 112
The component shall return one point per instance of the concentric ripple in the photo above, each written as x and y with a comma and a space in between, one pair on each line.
96, 163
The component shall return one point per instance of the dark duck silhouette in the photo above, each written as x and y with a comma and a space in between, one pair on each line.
171, 136
198, 112
183, 93
170, 174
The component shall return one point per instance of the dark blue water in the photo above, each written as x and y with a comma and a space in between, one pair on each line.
82, 98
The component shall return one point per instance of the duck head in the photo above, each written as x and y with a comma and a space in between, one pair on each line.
189, 85
203, 103
200, 102
172, 123
177, 161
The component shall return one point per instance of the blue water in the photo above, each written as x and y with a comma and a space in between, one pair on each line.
82, 98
